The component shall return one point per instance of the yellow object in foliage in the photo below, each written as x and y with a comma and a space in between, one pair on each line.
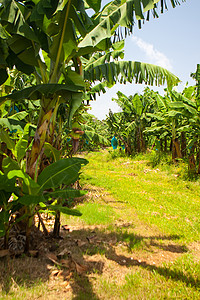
76, 131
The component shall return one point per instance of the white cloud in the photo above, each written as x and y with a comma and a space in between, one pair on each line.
153, 55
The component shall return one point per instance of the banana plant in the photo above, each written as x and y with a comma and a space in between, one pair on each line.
57, 41
133, 117
32, 196
44, 195
172, 117
95, 132
122, 128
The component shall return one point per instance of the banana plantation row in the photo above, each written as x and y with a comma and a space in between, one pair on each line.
168, 123
54, 57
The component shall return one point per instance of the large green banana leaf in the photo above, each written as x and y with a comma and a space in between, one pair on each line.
47, 90
68, 193
64, 210
121, 13
63, 171
129, 71
14, 13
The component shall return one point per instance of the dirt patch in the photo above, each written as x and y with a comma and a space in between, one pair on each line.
195, 249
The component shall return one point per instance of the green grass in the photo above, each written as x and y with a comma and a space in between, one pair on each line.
146, 196
140, 236
93, 214
170, 282
22, 291
157, 195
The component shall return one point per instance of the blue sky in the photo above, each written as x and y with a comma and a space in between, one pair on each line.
171, 41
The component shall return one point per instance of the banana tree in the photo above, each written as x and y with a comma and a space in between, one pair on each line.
123, 129
48, 193
65, 50
133, 115
172, 118
57, 42
95, 132
15, 135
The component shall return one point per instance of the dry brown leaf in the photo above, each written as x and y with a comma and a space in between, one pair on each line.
53, 258
113, 242
33, 253
65, 262
4, 252
91, 239
80, 243
63, 253
67, 275
55, 272
65, 284
80, 268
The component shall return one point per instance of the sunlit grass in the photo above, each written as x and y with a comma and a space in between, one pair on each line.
140, 234
93, 214
173, 281
158, 196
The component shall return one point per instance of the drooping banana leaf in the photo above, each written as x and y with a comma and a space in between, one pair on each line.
14, 13
64, 210
47, 90
122, 13
13, 124
31, 199
65, 193
130, 71
29, 185
49, 150
4, 137
63, 171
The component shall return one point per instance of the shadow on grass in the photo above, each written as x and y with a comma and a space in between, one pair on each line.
84, 243
22, 272
103, 243
175, 275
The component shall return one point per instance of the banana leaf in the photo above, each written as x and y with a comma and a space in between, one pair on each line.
64, 171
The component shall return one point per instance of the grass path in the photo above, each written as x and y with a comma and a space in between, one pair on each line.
154, 219
158, 197
138, 238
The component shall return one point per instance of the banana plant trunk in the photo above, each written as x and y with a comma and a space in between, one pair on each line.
183, 144
140, 142
192, 161
165, 145
176, 151
34, 157
56, 229
35, 154
161, 145
198, 158
6, 236
128, 149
